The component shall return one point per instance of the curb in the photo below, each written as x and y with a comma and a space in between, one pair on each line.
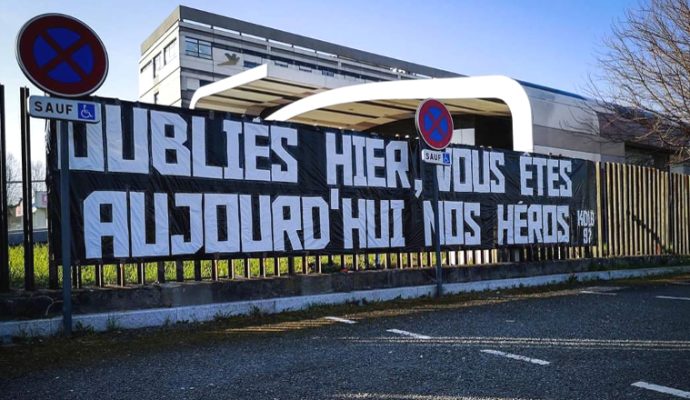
207, 312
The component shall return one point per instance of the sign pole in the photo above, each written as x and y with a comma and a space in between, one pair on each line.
435, 126
65, 231
437, 236
47, 55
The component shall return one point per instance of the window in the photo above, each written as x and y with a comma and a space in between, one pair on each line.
204, 82
170, 51
198, 48
250, 64
147, 70
157, 64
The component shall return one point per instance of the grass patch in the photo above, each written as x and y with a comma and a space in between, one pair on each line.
16, 258
226, 269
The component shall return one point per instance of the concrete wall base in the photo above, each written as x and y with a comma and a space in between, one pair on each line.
198, 313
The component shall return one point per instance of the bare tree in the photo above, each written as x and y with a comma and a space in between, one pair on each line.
644, 85
38, 176
14, 176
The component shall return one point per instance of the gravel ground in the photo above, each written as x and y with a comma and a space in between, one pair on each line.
597, 346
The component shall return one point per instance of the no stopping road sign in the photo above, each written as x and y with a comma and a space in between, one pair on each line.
62, 55
434, 124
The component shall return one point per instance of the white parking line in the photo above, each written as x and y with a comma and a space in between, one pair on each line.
410, 334
673, 298
343, 320
516, 357
601, 293
662, 389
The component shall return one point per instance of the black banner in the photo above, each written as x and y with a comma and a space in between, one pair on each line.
152, 183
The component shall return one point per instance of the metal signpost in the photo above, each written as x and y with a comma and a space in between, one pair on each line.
64, 57
435, 126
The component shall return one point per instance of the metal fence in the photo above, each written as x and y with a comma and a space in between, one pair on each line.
640, 211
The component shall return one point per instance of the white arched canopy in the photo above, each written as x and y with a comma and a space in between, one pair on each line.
211, 96
481, 87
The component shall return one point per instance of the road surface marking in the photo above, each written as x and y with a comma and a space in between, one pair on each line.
410, 334
662, 389
343, 320
604, 288
601, 293
673, 298
516, 357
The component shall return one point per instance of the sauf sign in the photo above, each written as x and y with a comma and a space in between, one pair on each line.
153, 182
64, 109
436, 157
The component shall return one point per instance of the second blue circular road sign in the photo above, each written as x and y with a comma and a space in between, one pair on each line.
434, 124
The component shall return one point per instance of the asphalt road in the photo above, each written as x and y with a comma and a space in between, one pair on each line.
557, 345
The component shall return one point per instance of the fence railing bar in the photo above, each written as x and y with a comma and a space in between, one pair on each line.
98, 275
120, 274
642, 208
610, 209
684, 210
4, 248
634, 221
179, 270
600, 219
27, 217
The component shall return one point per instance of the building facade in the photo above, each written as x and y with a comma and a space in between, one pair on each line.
192, 49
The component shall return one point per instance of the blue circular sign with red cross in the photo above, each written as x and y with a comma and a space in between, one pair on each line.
434, 124
62, 55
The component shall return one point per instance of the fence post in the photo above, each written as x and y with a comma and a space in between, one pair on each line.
141, 273
54, 201
160, 270
4, 250
291, 265
197, 270
120, 273
599, 209
671, 207
98, 274
29, 281
231, 269
179, 270
262, 265
214, 268
77, 281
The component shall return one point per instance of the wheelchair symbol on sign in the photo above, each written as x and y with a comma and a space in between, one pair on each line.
446, 158
87, 111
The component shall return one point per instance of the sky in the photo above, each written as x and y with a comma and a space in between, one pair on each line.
548, 42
